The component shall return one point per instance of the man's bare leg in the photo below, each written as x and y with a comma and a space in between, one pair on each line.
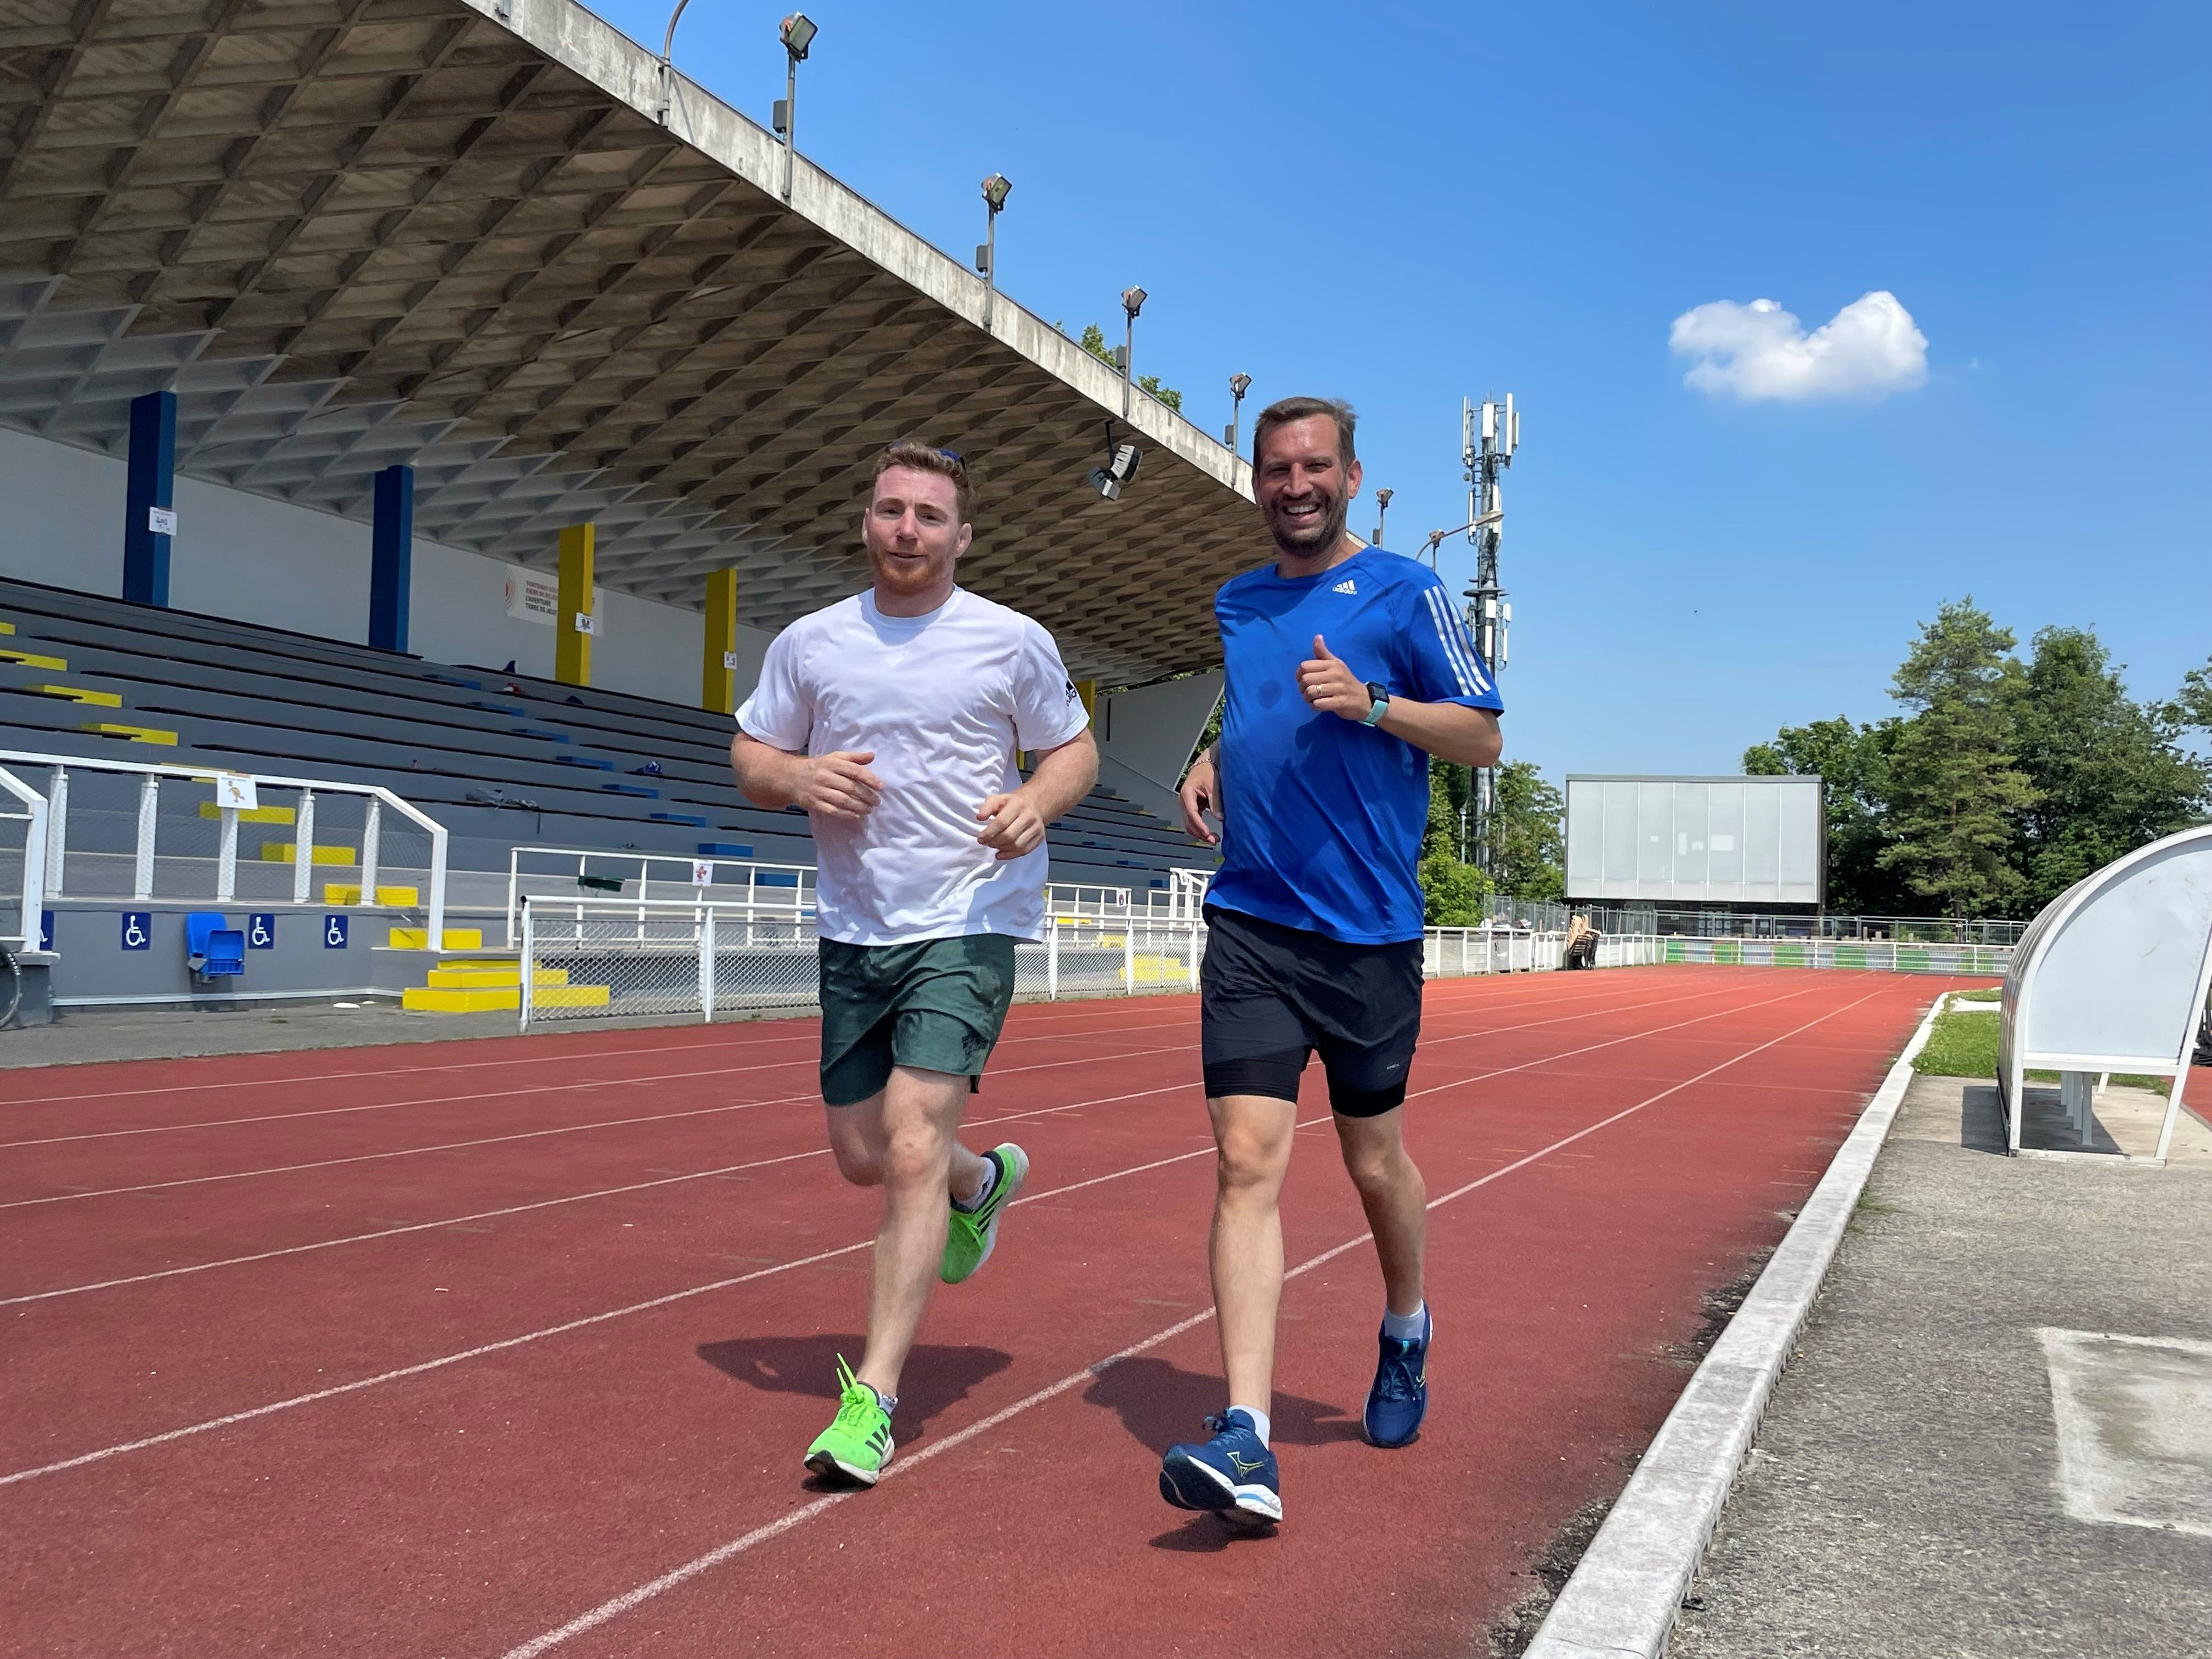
1395, 1198
905, 1139
1252, 1133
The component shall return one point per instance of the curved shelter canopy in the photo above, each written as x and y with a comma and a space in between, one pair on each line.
453, 233
2111, 977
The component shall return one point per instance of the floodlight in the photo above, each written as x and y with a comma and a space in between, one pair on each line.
1120, 469
1133, 301
797, 32
1239, 386
995, 191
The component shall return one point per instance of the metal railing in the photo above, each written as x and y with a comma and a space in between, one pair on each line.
786, 890
109, 831
22, 861
1693, 922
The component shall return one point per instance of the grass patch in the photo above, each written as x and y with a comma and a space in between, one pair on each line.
1960, 1045
1965, 1044
1993, 994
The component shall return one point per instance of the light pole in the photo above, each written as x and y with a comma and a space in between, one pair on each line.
797, 32
667, 70
1382, 512
1132, 302
996, 188
1239, 386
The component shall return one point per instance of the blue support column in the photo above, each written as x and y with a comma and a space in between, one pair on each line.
391, 558
150, 499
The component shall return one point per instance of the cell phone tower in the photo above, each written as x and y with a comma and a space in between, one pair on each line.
1489, 434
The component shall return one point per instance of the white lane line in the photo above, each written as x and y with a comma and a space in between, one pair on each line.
563, 1055
496, 1094
402, 1372
417, 1370
523, 1209
630, 1600
426, 1226
539, 1135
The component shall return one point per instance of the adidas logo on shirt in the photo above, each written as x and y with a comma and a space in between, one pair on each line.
1345, 587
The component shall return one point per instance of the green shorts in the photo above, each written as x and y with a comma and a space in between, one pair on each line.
937, 1005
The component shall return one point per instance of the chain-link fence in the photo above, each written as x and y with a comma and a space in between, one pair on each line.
592, 958
22, 862
1545, 915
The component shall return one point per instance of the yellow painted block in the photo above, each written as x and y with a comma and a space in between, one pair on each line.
288, 852
132, 733
427, 1000
431, 1000
398, 898
258, 815
32, 660
418, 939
486, 976
7, 627
83, 693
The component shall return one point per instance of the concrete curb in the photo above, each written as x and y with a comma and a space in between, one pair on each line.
1624, 1596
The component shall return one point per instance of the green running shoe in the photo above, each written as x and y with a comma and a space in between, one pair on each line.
857, 1444
970, 1234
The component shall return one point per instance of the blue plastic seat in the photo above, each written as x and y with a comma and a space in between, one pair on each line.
213, 948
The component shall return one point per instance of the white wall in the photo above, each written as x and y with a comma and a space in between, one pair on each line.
256, 559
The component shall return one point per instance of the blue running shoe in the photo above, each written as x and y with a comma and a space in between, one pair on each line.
1400, 1399
1232, 1475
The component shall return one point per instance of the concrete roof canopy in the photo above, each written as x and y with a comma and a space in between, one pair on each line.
452, 233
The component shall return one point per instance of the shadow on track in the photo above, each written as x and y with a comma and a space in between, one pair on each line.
935, 1377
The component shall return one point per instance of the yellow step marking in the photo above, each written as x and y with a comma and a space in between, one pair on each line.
32, 660
288, 852
257, 815
418, 939
83, 694
131, 733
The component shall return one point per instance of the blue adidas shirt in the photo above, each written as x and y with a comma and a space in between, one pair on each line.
1322, 817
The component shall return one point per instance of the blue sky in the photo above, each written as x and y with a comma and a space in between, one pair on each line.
1404, 204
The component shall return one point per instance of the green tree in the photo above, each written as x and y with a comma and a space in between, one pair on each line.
2107, 775
1094, 342
1853, 762
1528, 838
1956, 799
2192, 704
1451, 891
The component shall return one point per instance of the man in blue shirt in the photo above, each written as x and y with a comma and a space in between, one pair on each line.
1347, 668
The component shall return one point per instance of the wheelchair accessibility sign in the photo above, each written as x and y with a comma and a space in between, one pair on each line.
138, 930
261, 931
334, 933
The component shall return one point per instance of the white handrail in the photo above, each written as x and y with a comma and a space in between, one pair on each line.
800, 902
61, 765
33, 818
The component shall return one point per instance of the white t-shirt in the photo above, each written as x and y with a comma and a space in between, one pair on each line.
943, 700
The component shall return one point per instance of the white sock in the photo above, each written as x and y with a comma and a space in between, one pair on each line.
1260, 1424
982, 1193
1404, 1327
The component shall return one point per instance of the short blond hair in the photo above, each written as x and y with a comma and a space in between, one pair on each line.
919, 457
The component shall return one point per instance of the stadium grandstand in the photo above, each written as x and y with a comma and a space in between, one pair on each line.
441, 397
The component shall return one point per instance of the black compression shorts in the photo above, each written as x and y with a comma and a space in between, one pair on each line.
1271, 996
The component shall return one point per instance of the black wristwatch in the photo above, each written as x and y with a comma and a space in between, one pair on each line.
1380, 694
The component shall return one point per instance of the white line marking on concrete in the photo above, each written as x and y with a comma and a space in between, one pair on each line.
616, 1606
2134, 1421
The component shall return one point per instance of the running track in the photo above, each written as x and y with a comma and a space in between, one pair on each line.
511, 1347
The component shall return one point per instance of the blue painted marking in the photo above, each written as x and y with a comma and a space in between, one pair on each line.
45, 930
334, 933
261, 931
138, 930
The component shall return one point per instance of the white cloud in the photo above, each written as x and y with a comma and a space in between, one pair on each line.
1759, 352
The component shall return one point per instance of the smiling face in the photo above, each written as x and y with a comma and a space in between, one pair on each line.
1305, 490
914, 537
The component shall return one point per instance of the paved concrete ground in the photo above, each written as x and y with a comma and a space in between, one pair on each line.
1905, 1496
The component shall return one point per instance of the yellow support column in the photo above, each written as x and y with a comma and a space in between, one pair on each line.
718, 668
1088, 690
574, 624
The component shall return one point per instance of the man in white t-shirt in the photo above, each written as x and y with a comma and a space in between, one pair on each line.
893, 718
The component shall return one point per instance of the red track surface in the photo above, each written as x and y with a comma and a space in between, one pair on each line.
411, 1280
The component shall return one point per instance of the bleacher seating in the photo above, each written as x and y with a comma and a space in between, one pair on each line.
500, 759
